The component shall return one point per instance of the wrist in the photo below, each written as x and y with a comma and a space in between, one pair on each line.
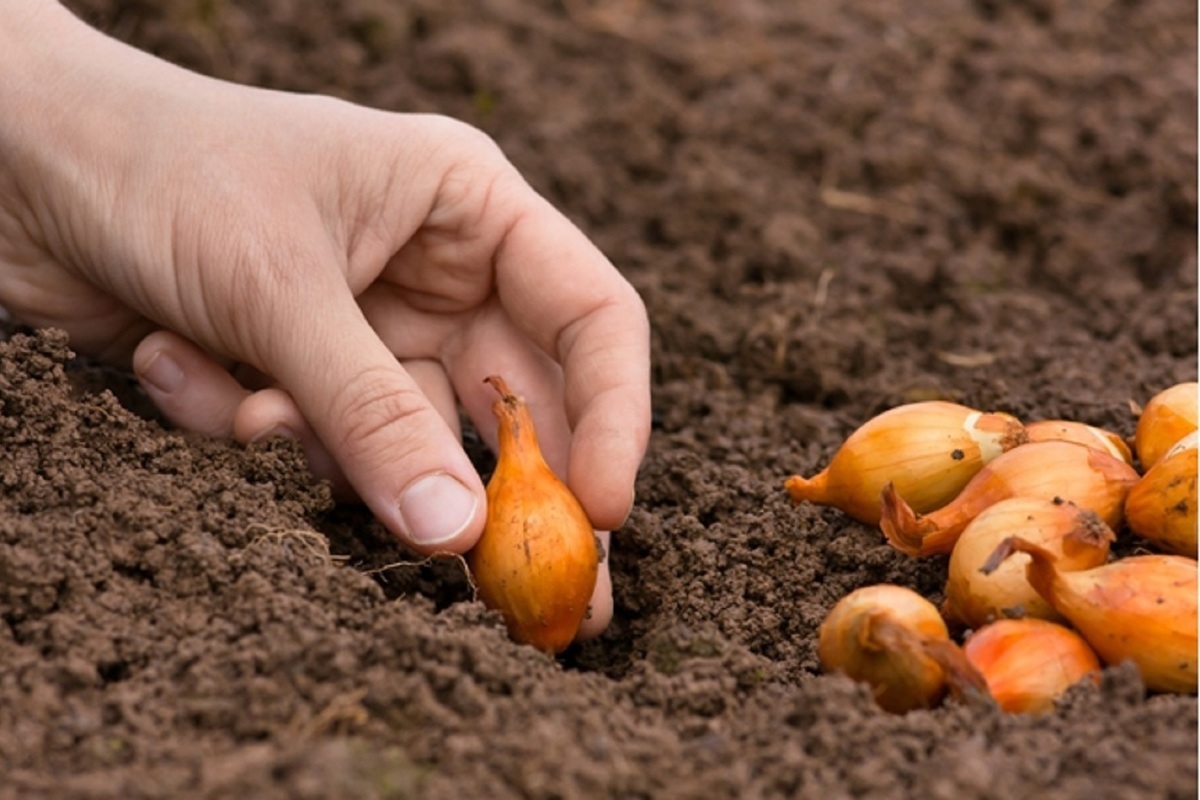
44, 71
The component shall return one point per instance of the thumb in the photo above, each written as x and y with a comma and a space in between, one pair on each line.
394, 447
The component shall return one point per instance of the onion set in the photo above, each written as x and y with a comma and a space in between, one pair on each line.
1029, 663
1087, 477
1066, 430
929, 450
537, 559
1161, 506
1169, 416
1077, 538
1140, 608
894, 640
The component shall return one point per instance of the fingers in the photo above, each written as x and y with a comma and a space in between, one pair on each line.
600, 610
613, 419
189, 387
563, 299
273, 412
489, 239
398, 452
435, 385
270, 413
594, 324
197, 393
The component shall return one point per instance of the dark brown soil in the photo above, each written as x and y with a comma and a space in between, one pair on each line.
830, 209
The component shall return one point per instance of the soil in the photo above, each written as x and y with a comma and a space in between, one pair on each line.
830, 209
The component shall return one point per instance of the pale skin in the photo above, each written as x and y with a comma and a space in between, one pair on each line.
272, 264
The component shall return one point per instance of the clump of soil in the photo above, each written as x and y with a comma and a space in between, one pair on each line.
829, 209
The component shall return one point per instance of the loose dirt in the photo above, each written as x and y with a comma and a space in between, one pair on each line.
830, 209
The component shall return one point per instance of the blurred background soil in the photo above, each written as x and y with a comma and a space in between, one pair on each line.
830, 209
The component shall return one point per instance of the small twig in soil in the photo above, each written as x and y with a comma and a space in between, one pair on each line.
833, 197
820, 298
343, 711
982, 359
865, 204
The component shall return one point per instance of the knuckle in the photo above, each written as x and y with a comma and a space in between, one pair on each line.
465, 137
376, 411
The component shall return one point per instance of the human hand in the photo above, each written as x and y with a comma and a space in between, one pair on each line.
361, 271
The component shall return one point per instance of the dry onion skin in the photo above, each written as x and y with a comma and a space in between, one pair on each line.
1085, 476
928, 449
1029, 663
1139, 608
1066, 430
1161, 507
1168, 417
1076, 537
537, 559
895, 641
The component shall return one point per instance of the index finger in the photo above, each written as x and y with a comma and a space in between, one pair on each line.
570, 300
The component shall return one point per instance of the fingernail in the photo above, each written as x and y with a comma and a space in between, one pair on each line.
163, 374
276, 432
435, 509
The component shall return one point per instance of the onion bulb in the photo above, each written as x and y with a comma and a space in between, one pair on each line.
1161, 507
1066, 430
1085, 476
1077, 538
1139, 608
929, 450
1029, 663
1164, 420
537, 559
894, 640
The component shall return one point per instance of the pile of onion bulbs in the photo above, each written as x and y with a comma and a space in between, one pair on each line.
1036, 600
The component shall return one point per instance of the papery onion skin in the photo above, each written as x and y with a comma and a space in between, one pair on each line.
894, 640
1161, 507
1085, 476
1139, 608
929, 449
1065, 430
1076, 536
537, 560
1029, 663
1164, 420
